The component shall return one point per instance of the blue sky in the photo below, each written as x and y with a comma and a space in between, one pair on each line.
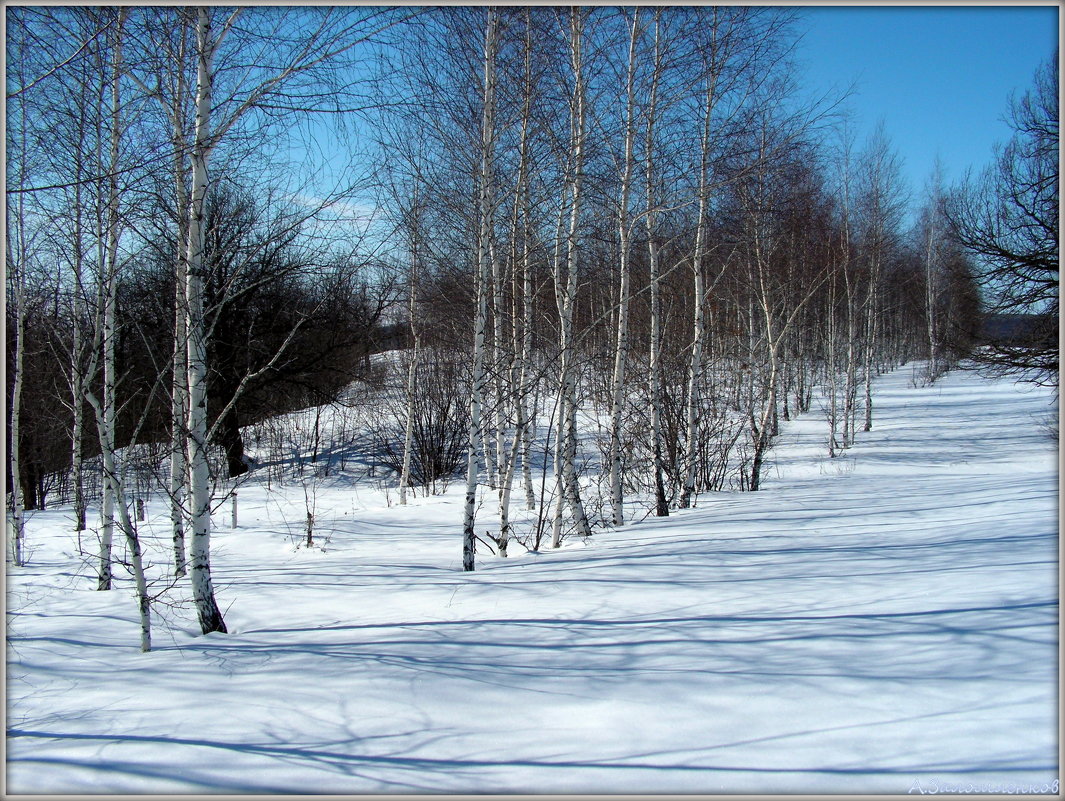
938, 76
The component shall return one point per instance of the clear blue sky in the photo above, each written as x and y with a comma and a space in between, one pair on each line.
938, 76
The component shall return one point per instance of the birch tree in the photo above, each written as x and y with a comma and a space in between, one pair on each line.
845, 270
523, 272
106, 330
108, 323
16, 287
210, 616
881, 214
518, 368
565, 279
625, 225
284, 81
19, 249
171, 41
932, 232
484, 233
695, 365
412, 370
775, 305
78, 106
650, 216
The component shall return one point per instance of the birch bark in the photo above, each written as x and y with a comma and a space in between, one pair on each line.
568, 379
526, 411
883, 209
110, 299
179, 397
695, 365
930, 264
849, 303
133, 546
77, 352
15, 250
831, 369
520, 334
621, 349
18, 520
469, 537
210, 616
412, 371
650, 218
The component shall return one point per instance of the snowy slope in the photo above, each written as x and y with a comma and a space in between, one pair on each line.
882, 622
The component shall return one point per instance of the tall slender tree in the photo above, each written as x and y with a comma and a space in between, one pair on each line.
484, 254
566, 283
625, 232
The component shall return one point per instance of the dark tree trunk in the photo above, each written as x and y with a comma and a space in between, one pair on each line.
32, 488
230, 438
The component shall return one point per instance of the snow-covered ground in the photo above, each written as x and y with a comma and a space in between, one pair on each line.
882, 622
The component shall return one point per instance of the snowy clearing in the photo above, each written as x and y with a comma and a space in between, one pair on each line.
880, 622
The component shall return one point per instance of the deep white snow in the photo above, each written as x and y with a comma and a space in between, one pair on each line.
882, 622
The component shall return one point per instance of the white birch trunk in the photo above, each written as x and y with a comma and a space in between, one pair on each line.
490, 418
871, 333
117, 493
882, 170
695, 365
650, 218
110, 299
105, 408
16, 263
526, 409
849, 301
763, 431
833, 415
179, 398
77, 373
761, 427
930, 296
556, 521
695, 369
557, 421
408, 431
77, 392
853, 347
210, 617
526, 406
18, 514
568, 410
528, 432
179, 412
469, 536
412, 372
491, 386
506, 484
621, 349
106, 423
500, 358
520, 332
850, 356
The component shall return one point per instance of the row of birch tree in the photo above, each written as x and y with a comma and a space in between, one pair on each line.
663, 248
